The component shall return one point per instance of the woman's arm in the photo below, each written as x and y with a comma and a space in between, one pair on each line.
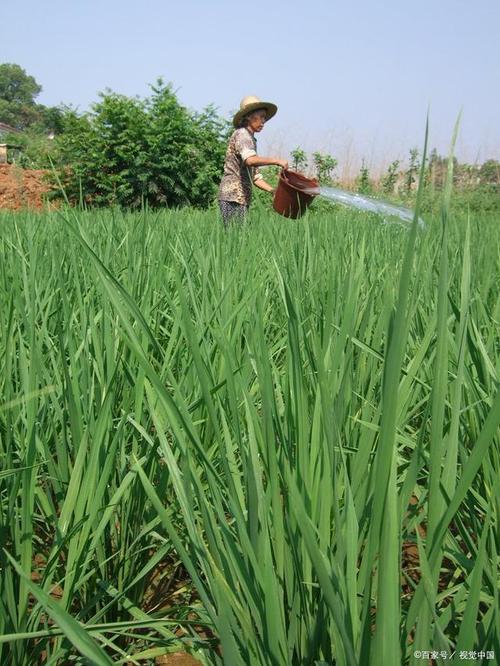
262, 185
256, 161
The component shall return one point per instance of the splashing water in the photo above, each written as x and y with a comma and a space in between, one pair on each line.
368, 204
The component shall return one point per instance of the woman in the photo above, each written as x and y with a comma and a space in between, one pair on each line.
242, 162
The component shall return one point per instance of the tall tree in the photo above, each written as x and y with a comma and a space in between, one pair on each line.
17, 86
18, 91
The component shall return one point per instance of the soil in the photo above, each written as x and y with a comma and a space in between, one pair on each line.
177, 659
22, 188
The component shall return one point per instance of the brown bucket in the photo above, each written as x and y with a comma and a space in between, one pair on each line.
294, 194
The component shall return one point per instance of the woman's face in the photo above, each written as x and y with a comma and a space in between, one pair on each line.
256, 120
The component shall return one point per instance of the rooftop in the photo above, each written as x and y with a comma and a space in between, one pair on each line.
8, 128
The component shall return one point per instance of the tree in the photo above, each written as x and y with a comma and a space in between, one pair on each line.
299, 159
363, 180
16, 86
412, 171
129, 151
17, 96
18, 108
489, 173
390, 178
325, 165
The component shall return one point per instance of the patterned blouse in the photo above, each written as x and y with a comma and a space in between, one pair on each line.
236, 183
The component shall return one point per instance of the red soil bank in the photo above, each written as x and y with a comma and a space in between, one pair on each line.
22, 188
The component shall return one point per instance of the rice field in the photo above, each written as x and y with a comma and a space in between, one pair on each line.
275, 445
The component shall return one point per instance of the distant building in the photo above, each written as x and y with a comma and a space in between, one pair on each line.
8, 129
4, 147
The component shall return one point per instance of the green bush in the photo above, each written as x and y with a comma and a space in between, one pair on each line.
131, 152
481, 199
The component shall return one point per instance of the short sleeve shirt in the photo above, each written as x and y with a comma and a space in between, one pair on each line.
236, 183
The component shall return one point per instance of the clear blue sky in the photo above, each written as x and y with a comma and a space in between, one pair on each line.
351, 78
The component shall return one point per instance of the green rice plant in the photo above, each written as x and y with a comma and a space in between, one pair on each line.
275, 444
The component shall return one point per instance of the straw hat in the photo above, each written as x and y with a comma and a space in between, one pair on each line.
251, 103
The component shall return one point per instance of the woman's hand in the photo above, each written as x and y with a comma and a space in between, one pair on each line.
282, 163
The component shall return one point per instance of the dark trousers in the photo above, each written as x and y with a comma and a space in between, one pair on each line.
232, 212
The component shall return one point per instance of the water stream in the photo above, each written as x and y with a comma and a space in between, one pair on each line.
388, 211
